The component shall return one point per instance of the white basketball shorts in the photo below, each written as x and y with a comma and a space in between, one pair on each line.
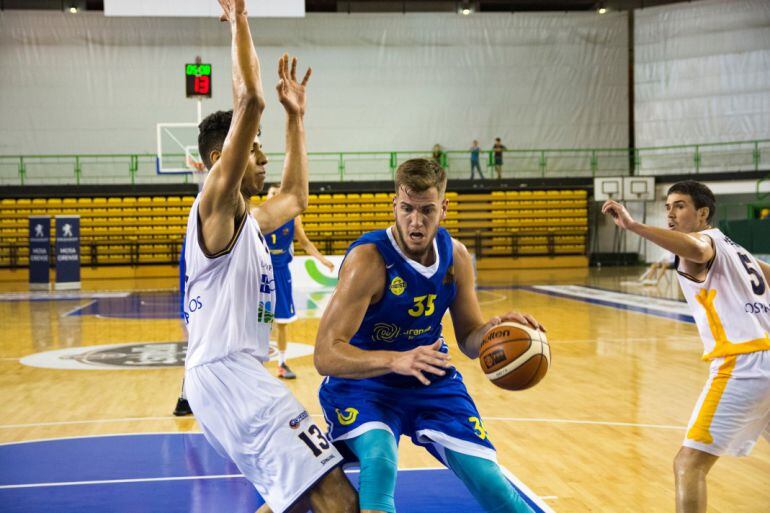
734, 406
249, 416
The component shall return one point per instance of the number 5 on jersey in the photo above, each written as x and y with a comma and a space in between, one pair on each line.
423, 305
757, 286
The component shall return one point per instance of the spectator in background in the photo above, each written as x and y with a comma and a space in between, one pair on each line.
475, 154
437, 154
498, 149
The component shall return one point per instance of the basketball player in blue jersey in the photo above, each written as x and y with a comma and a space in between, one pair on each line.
380, 343
246, 413
281, 244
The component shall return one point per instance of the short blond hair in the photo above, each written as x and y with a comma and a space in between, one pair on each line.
419, 175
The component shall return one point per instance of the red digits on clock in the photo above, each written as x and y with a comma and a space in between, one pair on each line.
202, 84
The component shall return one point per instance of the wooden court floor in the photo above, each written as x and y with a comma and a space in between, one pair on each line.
598, 434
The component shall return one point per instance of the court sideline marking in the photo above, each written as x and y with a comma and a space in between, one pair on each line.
507, 473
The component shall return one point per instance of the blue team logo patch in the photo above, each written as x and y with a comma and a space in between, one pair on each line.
295, 422
384, 332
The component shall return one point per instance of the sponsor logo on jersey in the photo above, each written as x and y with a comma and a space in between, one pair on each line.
347, 417
294, 423
265, 312
397, 286
384, 332
416, 332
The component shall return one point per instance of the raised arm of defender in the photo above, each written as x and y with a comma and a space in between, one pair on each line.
291, 201
221, 199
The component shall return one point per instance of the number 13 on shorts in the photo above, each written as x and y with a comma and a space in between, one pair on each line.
315, 440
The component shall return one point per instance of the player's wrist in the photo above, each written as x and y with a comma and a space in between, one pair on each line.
635, 227
295, 118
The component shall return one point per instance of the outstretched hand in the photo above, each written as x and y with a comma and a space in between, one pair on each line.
291, 93
619, 214
232, 8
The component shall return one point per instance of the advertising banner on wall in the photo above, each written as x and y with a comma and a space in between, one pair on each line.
67, 252
39, 252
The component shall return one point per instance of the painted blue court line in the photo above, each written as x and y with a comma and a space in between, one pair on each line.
666, 308
175, 473
59, 296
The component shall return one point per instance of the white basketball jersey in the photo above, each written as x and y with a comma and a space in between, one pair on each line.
732, 305
229, 296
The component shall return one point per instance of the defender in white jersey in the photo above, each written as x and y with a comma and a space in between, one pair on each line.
245, 413
727, 291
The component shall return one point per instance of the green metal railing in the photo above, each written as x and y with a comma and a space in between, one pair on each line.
357, 166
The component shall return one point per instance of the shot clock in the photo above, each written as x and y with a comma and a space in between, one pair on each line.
198, 80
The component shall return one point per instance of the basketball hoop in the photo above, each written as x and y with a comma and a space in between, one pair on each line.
197, 169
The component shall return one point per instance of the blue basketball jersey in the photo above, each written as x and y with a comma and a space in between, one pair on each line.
281, 244
410, 312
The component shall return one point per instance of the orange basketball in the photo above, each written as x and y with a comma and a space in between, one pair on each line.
514, 356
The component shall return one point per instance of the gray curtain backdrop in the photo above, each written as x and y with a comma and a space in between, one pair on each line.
89, 84
702, 72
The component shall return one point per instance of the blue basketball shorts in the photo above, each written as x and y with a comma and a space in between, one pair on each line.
439, 416
284, 298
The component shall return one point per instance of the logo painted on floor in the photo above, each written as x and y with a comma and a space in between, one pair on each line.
149, 355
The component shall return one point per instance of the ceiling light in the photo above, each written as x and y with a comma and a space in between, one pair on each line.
73, 10
602, 10
466, 11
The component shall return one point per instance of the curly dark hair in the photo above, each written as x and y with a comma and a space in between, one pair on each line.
212, 133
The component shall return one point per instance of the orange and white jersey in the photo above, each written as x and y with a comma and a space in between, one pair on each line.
731, 306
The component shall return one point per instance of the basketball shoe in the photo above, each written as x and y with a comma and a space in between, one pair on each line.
285, 372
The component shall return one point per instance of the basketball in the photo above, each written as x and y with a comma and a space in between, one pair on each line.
514, 356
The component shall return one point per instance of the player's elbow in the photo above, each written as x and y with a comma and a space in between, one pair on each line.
467, 350
299, 200
320, 362
249, 101
302, 201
